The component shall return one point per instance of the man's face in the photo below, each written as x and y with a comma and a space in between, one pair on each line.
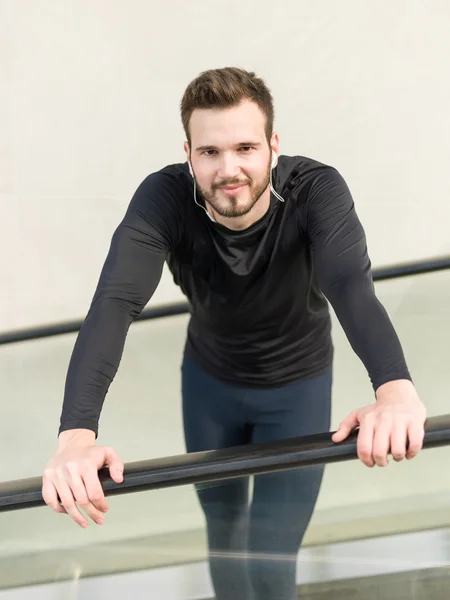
231, 157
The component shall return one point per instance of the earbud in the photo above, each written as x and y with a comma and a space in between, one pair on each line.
274, 159
190, 169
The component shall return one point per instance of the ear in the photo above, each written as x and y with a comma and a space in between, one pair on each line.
275, 148
188, 151
188, 157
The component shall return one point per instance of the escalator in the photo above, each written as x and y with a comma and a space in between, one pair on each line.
375, 534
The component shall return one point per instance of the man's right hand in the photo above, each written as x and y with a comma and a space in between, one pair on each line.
71, 476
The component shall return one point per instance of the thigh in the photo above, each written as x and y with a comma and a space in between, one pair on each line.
213, 418
281, 509
299, 409
283, 502
213, 415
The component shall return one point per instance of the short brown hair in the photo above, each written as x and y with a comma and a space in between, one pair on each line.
223, 88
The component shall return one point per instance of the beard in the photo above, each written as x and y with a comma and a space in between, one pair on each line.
238, 205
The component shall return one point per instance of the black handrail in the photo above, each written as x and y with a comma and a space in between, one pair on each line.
36, 333
181, 308
215, 465
421, 267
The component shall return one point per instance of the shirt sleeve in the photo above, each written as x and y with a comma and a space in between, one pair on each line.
129, 277
343, 271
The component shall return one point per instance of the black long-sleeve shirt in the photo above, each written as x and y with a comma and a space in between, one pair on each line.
259, 314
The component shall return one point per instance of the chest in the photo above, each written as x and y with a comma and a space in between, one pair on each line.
227, 269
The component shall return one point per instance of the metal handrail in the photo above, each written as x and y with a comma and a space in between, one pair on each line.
216, 465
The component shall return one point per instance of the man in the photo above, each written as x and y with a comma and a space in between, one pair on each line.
257, 242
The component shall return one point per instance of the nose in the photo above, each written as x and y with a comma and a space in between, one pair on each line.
228, 167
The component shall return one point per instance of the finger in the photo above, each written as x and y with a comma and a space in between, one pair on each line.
398, 440
68, 502
115, 465
94, 490
346, 427
416, 433
50, 496
364, 444
382, 439
81, 497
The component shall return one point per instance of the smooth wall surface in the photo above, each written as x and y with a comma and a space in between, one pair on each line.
89, 106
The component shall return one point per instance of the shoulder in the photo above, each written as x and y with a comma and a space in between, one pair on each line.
164, 190
158, 205
299, 176
317, 192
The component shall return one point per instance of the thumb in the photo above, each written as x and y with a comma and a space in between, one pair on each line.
115, 465
346, 427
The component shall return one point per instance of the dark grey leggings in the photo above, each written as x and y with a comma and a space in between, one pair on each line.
253, 545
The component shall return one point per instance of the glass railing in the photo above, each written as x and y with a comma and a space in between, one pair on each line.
160, 532
170, 538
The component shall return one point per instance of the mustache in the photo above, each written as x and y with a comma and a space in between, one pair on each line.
229, 183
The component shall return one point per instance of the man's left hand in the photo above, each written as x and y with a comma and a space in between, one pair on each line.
394, 423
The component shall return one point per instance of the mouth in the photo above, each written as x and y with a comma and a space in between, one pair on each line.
232, 189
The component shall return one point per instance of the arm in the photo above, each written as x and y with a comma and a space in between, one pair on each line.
343, 272
129, 277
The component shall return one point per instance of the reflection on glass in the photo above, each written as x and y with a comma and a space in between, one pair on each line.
166, 529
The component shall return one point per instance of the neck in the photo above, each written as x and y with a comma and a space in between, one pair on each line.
257, 211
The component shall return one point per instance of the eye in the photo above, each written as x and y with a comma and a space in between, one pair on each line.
207, 152
246, 148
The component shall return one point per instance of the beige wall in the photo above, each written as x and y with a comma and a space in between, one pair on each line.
89, 105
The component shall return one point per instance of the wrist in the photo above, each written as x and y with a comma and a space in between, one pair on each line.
399, 389
76, 437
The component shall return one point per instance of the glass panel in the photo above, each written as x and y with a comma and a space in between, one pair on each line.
142, 419
146, 530
410, 495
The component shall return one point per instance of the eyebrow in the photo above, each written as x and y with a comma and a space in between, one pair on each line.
203, 148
